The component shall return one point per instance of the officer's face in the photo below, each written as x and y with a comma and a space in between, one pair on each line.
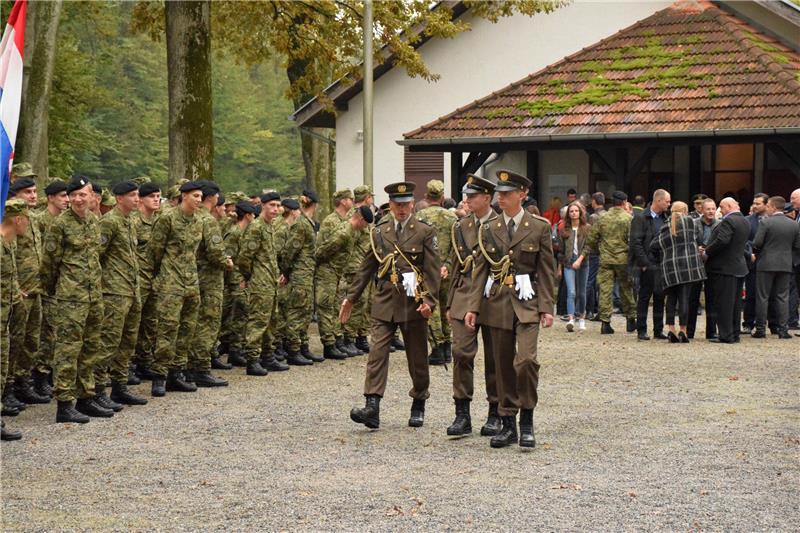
29, 195
479, 203
511, 200
151, 202
128, 202
81, 200
401, 210
60, 201
270, 209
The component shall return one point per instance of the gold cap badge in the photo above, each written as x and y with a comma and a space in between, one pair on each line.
504, 176
401, 188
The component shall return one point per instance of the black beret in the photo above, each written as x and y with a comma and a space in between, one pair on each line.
366, 213
97, 188
311, 195
77, 183
146, 189
257, 208
619, 196
221, 200
21, 184
290, 203
209, 188
190, 186
270, 196
244, 207
55, 187
124, 188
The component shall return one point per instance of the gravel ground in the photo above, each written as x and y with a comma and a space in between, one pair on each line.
631, 436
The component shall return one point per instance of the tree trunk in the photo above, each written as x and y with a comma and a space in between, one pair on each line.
191, 136
41, 30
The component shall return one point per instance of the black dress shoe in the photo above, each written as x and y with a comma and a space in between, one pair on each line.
306, 352
158, 387
642, 336
66, 413
254, 368
176, 382
369, 415
398, 344
507, 435
493, 422
673, 339
361, 343
526, 438
783, 334
90, 407
683, 338
271, 363
102, 399
23, 390
417, 417
237, 359
659, 335
606, 329
462, 425
121, 394
436, 357
219, 364
630, 325
718, 340
746, 330
204, 378
759, 334
709, 337
332, 352
447, 349
9, 434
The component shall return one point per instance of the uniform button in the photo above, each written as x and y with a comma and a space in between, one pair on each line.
511, 252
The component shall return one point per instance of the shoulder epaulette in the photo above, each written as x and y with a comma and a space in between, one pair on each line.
541, 218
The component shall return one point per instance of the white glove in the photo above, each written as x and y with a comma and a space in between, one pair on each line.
410, 283
523, 287
487, 290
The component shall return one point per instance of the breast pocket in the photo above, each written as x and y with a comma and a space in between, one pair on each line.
528, 251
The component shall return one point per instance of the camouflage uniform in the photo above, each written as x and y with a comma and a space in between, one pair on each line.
609, 237
296, 261
122, 304
10, 297
72, 276
258, 264
331, 254
26, 327
442, 220
358, 325
277, 328
173, 246
47, 337
235, 301
211, 259
148, 323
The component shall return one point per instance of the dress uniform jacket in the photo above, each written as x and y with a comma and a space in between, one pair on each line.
465, 254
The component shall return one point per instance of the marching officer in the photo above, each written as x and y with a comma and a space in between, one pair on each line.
404, 262
513, 292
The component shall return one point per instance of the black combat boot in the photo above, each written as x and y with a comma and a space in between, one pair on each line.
398, 344
133, 379
606, 329
219, 364
330, 351
462, 425
281, 352
9, 434
9, 411
121, 394
630, 326
41, 384
222, 349
448, 352
351, 345
417, 417
90, 407
236, 358
346, 349
436, 356
11, 401
271, 363
526, 438
369, 415
492, 425
295, 359
507, 435
102, 399
362, 343
146, 373
188, 376
254, 368
23, 390
176, 382
158, 387
204, 378
306, 352
66, 412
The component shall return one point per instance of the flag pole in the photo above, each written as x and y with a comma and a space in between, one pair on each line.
367, 30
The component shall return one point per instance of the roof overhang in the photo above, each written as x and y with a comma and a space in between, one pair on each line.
556, 142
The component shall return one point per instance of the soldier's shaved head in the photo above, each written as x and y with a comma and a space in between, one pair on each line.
795, 198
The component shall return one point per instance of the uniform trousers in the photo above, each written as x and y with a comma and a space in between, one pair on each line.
465, 348
77, 348
24, 332
121, 316
515, 358
414, 336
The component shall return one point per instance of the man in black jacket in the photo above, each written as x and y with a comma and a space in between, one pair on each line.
757, 212
644, 228
726, 268
777, 241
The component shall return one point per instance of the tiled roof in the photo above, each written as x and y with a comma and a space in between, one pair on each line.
690, 67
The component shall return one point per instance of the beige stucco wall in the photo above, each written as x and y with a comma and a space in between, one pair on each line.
471, 66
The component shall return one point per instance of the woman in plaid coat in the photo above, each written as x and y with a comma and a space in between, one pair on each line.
681, 265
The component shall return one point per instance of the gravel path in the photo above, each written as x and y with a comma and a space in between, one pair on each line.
631, 436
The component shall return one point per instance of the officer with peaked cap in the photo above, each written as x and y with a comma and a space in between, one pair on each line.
404, 262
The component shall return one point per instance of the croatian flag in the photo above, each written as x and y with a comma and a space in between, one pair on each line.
11, 50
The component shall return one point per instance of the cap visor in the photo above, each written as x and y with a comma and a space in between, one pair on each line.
402, 199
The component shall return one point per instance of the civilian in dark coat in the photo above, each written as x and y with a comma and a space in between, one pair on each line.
644, 228
706, 222
776, 242
726, 267
757, 212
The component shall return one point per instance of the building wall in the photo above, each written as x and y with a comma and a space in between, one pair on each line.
471, 65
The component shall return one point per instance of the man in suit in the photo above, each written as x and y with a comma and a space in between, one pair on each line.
478, 192
726, 268
513, 293
795, 201
757, 213
708, 222
404, 261
644, 228
777, 241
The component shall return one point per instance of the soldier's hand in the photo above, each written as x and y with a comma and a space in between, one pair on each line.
345, 310
424, 310
546, 320
443, 272
229, 264
282, 280
470, 319
243, 284
447, 315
